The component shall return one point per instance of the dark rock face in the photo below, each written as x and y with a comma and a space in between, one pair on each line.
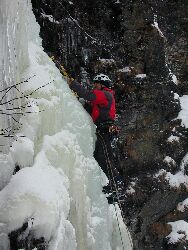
125, 39
24, 238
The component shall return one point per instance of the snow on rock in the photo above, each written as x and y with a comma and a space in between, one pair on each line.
184, 162
182, 206
179, 231
183, 114
173, 138
130, 190
169, 160
172, 76
125, 69
176, 96
140, 76
106, 61
157, 26
175, 180
50, 18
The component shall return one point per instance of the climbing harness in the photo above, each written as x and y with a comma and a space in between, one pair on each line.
110, 173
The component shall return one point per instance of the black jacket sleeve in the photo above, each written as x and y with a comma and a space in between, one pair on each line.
86, 94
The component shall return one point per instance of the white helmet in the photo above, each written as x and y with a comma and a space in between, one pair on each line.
103, 79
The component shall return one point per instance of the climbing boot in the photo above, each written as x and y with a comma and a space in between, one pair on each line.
107, 189
115, 197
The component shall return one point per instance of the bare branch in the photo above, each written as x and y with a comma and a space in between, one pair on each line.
28, 105
17, 84
5, 128
11, 136
9, 132
16, 120
16, 98
22, 113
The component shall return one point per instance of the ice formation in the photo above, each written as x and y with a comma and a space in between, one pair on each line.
48, 136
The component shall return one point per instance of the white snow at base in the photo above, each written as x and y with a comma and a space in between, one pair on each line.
59, 185
179, 231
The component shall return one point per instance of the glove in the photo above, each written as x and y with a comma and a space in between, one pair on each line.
69, 80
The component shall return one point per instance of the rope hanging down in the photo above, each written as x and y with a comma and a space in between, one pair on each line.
110, 173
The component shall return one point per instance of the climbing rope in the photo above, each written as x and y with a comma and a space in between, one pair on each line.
110, 173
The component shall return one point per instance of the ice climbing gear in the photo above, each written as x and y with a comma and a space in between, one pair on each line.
113, 184
103, 79
113, 129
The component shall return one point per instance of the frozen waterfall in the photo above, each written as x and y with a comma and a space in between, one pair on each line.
47, 135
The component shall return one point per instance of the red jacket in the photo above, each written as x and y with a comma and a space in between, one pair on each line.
102, 102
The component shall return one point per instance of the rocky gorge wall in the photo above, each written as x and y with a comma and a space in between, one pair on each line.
142, 46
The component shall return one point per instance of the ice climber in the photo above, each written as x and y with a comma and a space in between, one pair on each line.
102, 109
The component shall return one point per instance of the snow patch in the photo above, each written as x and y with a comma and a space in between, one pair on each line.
176, 96
173, 77
183, 114
106, 61
156, 25
125, 69
182, 206
179, 231
140, 76
130, 189
173, 138
177, 179
169, 160
50, 18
